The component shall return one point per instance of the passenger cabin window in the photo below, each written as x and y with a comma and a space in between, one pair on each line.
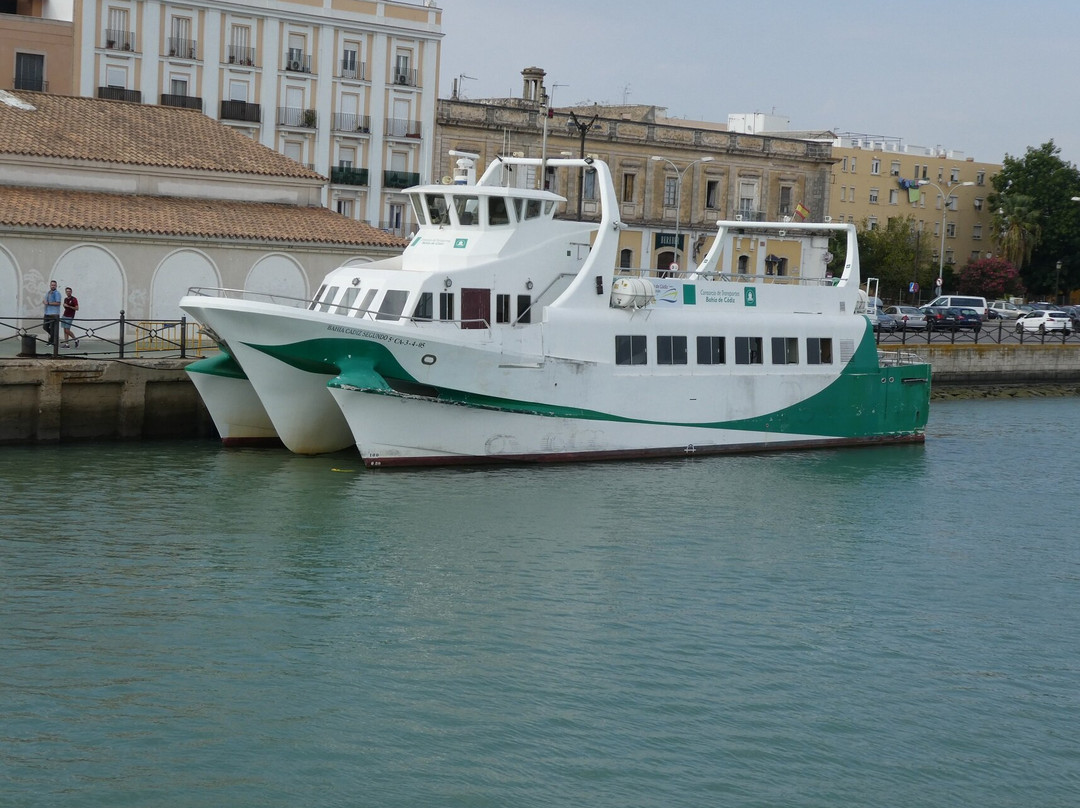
393, 303
497, 212
468, 209
328, 299
671, 350
318, 296
785, 351
747, 350
365, 306
502, 308
710, 351
818, 351
524, 308
437, 210
446, 305
347, 300
630, 350
424, 307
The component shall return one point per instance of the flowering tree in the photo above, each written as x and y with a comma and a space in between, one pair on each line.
992, 278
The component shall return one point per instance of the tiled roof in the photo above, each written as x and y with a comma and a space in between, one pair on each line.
69, 128
175, 216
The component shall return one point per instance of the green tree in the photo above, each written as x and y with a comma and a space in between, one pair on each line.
1017, 227
992, 278
1048, 183
896, 255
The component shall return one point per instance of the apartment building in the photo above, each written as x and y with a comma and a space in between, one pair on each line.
675, 178
345, 87
878, 178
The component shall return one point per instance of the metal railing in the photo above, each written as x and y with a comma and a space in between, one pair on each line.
996, 332
102, 338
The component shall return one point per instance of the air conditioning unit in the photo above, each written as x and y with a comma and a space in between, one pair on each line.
402, 79
294, 64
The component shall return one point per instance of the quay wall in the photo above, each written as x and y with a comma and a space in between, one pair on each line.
55, 399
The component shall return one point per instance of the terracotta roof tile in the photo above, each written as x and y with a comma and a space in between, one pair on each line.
173, 216
65, 127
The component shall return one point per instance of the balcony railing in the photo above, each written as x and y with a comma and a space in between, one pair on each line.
119, 40
399, 127
34, 83
351, 70
240, 111
349, 176
183, 48
119, 94
297, 62
404, 78
294, 116
400, 179
351, 122
239, 55
182, 101
748, 215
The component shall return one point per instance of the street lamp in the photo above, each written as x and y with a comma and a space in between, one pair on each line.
944, 209
1057, 284
678, 189
581, 128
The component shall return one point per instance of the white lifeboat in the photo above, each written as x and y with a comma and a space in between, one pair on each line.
632, 293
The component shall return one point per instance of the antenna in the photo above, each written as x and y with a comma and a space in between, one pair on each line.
625, 93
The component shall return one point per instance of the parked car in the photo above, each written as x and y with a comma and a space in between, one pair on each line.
940, 318
1005, 310
969, 318
963, 301
908, 317
882, 321
1043, 321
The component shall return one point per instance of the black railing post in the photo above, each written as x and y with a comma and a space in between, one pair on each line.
183, 337
123, 332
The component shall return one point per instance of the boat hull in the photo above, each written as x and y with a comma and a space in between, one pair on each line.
233, 404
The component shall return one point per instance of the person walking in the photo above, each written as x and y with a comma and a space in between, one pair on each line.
52, 313
71, 305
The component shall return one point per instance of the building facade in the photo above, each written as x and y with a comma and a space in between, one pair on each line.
346, 87
674, 178
876, 179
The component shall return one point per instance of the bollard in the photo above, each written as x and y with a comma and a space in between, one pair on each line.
29, 345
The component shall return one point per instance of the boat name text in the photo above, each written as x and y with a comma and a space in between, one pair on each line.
388, 338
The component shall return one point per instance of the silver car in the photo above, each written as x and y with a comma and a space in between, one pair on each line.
907, 317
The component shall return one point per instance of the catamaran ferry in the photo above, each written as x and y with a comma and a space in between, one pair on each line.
506, 334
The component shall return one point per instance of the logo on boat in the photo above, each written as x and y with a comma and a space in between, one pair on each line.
460, 242
749, 296
415, 241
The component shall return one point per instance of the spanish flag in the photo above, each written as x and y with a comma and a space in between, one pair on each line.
801, 211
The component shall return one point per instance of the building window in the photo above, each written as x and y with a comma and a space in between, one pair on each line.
980, 178
843, 165
785, 200
852, 165
671, 186
976, 232
950, 230
671, 350
630, 350
785, 351
712, 194
894, 168
747, 350
873, 196
954, 176
818, 351
894, 197
401, 68
626, 258
350, 58
875, 166
711, 351
588, 187
30, 72
344, 207
872, 223
628, 187
978, 203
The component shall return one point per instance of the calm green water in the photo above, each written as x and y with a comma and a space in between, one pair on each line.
184, 625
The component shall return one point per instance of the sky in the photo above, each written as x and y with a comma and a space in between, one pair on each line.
983, 77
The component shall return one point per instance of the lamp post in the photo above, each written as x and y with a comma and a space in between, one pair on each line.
581, 128
944, 209
678, 189
1057, 284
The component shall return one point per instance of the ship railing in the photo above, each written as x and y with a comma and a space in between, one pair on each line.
247, 294
723, 277
892, 359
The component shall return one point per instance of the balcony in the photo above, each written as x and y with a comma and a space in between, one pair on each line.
399, 127
33, 83
297, 62
239, 55
119, 40
293, 116
403, 77
183, 48
351, 122
182, 101
400, 179
349, 176
351, 70
240, 111
119, 94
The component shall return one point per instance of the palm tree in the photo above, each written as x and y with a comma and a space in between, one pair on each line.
1017, 227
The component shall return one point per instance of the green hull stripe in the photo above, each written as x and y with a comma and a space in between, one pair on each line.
221, 365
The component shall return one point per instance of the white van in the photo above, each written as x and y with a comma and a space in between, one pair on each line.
963, 302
